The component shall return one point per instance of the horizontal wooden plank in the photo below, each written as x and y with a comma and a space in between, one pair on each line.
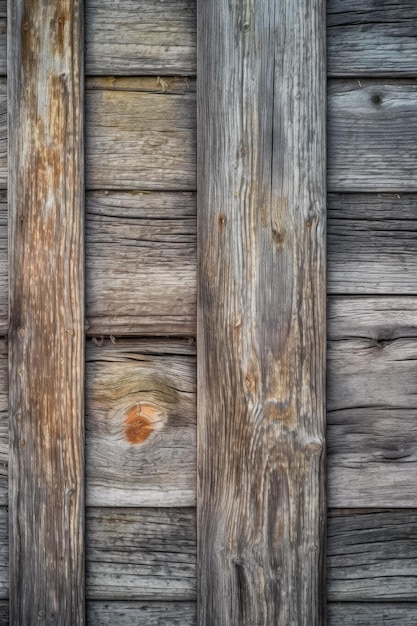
368, 38
372, 243
372, 614
372, 556
141, 554
4, 553
155, 38
372, 402
372, 135
140, 421
141, 263
140, 139
4, 613
141, 613
4, 422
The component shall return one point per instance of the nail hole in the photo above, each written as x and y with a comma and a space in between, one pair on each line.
376, 99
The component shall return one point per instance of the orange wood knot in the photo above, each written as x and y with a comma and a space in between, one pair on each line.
141, 420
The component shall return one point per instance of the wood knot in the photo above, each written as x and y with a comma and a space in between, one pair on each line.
140, 422
25, 26
222, 221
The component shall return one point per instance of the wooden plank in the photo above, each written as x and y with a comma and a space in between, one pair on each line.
261, 350
372, 130
141, 613
4, 422
372, 556
4, 613
141, 421
3, 37
372, 244
372, 402
372, 614
141, 554
157, 38
45, 80
141, 263
4, 553
4, 269
139, 139
368, 38
3, 133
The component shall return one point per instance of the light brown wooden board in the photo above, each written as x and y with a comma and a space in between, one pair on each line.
46, 337
141, 421
261, 313
372, 614
372, 402
368, 38
372, 556
141, 613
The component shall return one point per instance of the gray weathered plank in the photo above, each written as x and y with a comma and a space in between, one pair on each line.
4, 613
4, 553
261, 349
372, 614
372, 132
141, 613
3, 264
372, 244
46, 191
141, 554
123, 37
4, 422
3, 37
141, 263
371, 38
372, 402
372, 556
139, 139
141, 420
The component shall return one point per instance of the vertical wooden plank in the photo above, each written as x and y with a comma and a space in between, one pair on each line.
46, 333
261, 311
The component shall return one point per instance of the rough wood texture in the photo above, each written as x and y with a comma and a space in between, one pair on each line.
372, 556
141, 420
45, 78
261, 337
4, 422
141, 263
372, 128
372, 614
3, 37
4, 269
139, 139
3, 134
372, 38
372, 244
141, 554
372, 402
4, 613
4, 554
151, 38
141, 613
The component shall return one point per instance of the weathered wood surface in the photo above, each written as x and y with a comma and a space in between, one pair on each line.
123, 37
4, 613
3, 37
261, 337
4, 270
372, 614
371, 38
45, 80
3, 134
4, 422
372, 402
141, 263
139, 139
4, 553
372, 244
141, 422
141, 554
372, 556
141, 613
372, 132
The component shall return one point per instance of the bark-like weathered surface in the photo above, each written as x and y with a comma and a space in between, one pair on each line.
45, 78
140, 613
261, 313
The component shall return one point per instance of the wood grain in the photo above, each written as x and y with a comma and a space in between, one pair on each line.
4, 553
4, 422
261, 349
368, 38
372, 614
141, 613
46, 338
141, 554
141, 421
371, 556
154, 38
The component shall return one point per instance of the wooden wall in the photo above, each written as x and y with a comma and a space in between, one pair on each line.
141, 294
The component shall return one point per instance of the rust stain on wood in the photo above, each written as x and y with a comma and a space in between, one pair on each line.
140, 422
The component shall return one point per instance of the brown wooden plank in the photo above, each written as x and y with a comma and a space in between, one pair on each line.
45, 79
372, 614
368, 38
152, 38
261, 337
141, 420
372, 402
141, 554
141, 263
141, 613
372, 132
371, 556
139, 139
